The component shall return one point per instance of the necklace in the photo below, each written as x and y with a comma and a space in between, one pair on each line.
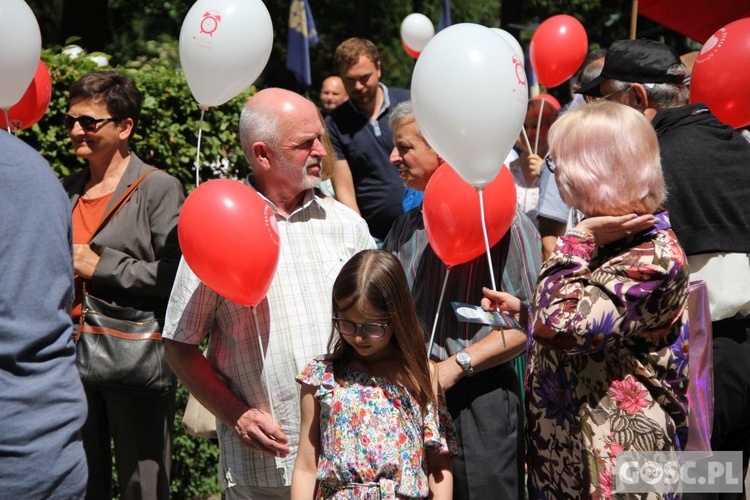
87, 195
116, 169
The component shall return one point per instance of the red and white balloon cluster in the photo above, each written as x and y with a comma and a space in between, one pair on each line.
471, 115
25, 87
228, 233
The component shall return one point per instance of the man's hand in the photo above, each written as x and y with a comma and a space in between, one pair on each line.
256, 429
84, 261
500, 301
449, 372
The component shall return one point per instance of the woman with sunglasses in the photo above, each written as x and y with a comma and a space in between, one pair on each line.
131, 262
374, 421
607, 368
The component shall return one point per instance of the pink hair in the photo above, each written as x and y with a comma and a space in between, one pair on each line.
608, 160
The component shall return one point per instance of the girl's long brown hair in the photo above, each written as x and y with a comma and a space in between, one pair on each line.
374, 280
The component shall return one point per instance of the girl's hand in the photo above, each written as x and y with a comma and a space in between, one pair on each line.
500, 301
535, 165
607, 229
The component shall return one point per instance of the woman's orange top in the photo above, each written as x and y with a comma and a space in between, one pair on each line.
87, 214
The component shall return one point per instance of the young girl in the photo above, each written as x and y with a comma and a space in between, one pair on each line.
374, 422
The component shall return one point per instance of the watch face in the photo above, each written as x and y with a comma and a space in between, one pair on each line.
463, 357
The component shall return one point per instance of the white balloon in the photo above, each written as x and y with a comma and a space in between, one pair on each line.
416, 31
20, 50
224, 47
512, 41
469, 93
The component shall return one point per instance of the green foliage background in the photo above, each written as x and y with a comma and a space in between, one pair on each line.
167, 133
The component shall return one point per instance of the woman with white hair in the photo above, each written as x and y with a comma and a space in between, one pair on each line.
606, 371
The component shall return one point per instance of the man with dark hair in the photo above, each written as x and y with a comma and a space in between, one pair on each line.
706, 168
364, 178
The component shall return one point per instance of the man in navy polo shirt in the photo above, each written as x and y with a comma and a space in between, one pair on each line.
364, 178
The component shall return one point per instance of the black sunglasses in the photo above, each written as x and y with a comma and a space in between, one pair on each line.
88, 123
370, 330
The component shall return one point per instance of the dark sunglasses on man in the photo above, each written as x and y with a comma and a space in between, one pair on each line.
88, 123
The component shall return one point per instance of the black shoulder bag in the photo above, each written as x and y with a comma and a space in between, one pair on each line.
120, 348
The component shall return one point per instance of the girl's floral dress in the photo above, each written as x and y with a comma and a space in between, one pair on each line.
608, 366
373, 436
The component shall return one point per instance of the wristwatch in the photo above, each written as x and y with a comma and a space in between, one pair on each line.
464, 361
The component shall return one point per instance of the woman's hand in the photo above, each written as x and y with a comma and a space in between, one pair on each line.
84, 261
607, 229
500, 301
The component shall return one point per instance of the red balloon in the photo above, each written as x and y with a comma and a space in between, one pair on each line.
558, 48
413, 53
33, 104
550, 100
721, 74
452, 218
230, 239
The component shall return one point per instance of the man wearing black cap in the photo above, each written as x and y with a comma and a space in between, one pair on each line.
707, 170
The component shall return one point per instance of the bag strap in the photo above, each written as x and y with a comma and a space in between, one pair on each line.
121, 201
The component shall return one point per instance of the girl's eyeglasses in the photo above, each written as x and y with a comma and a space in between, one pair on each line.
88, 123
370, 330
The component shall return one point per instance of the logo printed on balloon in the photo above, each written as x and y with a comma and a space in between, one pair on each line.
271, 225
711, 46
721, 72
520, 72
210, 22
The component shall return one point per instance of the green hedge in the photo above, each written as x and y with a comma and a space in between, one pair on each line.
167, 138
167, 134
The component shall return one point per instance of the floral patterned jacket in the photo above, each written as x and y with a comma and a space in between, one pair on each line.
608, 365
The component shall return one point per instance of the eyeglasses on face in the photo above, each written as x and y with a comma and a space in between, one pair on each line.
370, 330
88, 123
550, 163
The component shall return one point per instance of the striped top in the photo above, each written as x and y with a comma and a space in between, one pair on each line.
293, 324
517, 258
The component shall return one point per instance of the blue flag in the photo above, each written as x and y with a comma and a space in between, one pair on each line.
445, 15
302, 36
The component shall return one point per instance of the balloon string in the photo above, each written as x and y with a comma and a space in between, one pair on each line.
486, 239
526, 138
198, 150
437, 315
487, 246
263, 364
7, 119
538, 126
